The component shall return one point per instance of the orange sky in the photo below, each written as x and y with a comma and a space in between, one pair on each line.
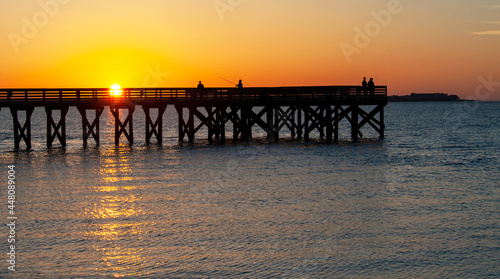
411, 46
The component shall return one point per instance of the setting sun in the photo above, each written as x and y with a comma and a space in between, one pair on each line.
116, 90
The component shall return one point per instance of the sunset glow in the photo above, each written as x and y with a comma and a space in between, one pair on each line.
410, 46
116, 90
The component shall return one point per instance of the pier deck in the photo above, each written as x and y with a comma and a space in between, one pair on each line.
301, 109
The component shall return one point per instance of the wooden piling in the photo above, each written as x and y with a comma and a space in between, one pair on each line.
59, 129
382, 123
190, 124
22, 131
354, 123
121, 126
299, 125
90, 129
154, 127
329, 123
336, 125
220, 123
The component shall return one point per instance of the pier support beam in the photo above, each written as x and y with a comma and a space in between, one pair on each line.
59, 129
181, 125
186, 127
121, 127
382, 123
354, 122
220, 123
329, 123
299, 124
190, 125
245, 122
235, 118
215, 122
90, 129
285, 117
271, 127
307, 120
210, 120
154, 128
336, 121
22, 131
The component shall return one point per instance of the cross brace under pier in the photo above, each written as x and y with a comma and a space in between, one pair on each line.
22, 131
154, 127
121, 126
90, 128
59, 128
301, 120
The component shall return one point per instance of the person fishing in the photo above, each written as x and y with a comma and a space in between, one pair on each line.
239, 86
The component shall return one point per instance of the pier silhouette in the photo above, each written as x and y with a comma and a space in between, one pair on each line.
301, 109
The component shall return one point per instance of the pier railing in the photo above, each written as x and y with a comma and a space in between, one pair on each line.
76, 96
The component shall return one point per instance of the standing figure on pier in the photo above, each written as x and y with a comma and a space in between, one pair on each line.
240, 86
364, 85
371, 87
201, 89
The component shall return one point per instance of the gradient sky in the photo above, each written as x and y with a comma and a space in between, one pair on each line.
415, 46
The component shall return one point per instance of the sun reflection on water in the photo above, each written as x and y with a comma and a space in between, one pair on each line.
115, 223
116, 169
115, 207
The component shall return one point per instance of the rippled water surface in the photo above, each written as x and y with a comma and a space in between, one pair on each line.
422, 203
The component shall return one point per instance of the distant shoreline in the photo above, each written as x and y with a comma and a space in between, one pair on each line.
424, 97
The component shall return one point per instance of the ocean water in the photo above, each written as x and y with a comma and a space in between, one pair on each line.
421, 203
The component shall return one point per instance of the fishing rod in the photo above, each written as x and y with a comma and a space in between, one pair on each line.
228, 81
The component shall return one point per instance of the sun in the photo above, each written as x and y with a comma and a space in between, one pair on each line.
116, 90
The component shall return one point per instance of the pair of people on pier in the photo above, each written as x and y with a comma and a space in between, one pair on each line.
368, 87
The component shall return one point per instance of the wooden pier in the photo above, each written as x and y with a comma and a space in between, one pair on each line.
301, 109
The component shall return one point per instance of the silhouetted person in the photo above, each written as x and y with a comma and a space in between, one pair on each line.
240, 84
201, 89
371, 87
364, 85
